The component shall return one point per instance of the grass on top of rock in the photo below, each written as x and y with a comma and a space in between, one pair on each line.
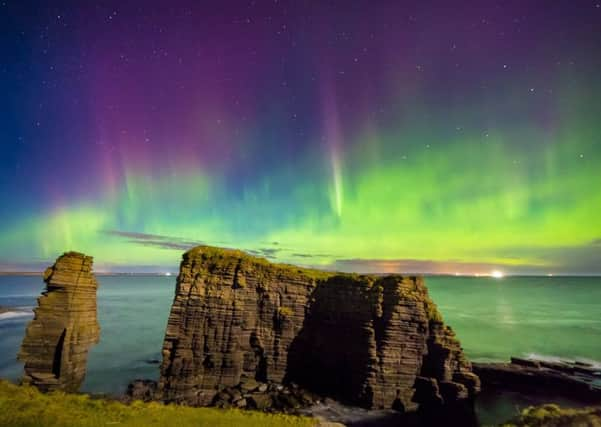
223, 256
25, 406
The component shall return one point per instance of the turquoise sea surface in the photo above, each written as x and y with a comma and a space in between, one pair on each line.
554, 317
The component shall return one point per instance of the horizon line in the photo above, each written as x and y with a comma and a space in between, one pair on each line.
473, 275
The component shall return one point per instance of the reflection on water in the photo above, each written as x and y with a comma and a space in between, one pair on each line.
504, 311
515, 316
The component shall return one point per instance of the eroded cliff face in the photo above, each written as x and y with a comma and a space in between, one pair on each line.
65, 326
378, 342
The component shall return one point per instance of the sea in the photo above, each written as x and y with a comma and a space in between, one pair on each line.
494, 318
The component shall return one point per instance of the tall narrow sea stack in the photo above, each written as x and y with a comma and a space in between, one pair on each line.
65, 326
373, 341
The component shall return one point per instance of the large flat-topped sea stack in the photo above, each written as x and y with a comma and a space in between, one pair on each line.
65, 326
378, 342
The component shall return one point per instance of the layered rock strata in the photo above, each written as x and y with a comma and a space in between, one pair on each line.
377, 342
65, 326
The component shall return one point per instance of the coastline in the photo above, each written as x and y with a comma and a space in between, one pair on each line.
124, 294
81, 412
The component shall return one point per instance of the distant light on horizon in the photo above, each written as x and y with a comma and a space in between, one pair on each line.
497, 274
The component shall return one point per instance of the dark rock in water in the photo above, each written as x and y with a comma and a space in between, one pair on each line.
453, 391
445, 415
525, 362
238, 321
141, 390
65, 326
427, 392
153, 361
538, 376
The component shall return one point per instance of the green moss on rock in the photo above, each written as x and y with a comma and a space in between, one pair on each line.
551, 415
285, 311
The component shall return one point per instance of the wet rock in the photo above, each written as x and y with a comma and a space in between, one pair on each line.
262, 398
240, 403
283, 402
525, 362
262, 388
261, 402
564, 378
427, 392
248, 384
240, 321
141, 390
65, 326
452, 391
235, 394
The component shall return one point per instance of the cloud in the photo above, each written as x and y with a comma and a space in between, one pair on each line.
577, 259
299, 255
264, 252
165, 244
155, 240
582, 259
133, 235
420, 266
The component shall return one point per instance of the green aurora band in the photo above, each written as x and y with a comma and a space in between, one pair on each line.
411, 196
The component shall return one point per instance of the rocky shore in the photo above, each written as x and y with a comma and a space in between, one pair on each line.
276, 398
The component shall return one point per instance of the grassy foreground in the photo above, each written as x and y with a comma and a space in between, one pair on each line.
26, 406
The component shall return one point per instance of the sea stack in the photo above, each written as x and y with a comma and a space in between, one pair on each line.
372, 341
65, 326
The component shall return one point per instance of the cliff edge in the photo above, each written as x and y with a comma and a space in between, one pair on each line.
376, 342
65, 326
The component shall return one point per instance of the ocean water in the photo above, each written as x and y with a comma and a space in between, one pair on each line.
521, 316
493, 318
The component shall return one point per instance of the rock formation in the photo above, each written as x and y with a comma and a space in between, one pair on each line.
57, 340
377, 342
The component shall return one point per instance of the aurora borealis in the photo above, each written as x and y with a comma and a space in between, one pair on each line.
413, 136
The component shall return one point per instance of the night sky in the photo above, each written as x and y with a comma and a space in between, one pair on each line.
410, 136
